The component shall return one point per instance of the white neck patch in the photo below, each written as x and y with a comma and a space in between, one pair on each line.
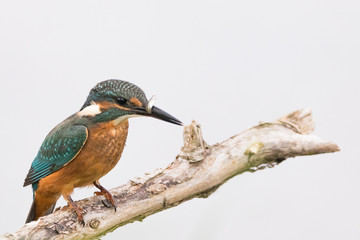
91, 110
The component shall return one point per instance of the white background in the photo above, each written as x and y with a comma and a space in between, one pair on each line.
226, 64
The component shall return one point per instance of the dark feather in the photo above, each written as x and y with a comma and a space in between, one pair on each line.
32, 212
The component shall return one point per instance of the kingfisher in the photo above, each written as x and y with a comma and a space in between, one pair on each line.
87, 145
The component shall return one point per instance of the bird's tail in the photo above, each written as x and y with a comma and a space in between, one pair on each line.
32, 213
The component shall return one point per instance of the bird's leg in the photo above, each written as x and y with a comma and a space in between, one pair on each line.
106, 194
77, 209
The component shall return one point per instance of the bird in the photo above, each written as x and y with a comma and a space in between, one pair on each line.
87, 145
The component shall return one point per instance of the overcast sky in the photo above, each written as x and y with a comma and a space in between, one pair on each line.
226, 64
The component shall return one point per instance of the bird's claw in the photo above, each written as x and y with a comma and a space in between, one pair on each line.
80, 214
79, 210
106, 194
109, 202
81, 220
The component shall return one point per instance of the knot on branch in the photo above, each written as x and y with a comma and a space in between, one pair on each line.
300, 121
195, 147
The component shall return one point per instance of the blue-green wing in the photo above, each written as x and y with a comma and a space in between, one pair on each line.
60, 146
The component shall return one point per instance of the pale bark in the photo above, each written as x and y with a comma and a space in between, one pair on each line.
197, 171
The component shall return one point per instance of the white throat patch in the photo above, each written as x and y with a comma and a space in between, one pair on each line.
122, 118
91, 110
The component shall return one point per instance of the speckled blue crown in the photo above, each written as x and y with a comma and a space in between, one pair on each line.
110, 89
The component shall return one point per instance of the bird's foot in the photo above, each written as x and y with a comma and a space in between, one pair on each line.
106, 194
79, 211
80, 218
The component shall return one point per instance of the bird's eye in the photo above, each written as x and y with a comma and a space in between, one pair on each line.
121, 100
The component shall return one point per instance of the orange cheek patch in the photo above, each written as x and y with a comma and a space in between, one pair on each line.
135, 101
107, 105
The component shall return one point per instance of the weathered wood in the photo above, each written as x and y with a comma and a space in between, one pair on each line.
197, 171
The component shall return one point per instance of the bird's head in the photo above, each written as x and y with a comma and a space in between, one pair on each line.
117, 100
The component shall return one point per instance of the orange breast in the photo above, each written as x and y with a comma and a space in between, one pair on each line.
100, 154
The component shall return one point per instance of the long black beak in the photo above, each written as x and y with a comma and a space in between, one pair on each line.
162, 115
159, 114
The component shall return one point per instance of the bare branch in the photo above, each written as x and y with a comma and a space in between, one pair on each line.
197, 171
